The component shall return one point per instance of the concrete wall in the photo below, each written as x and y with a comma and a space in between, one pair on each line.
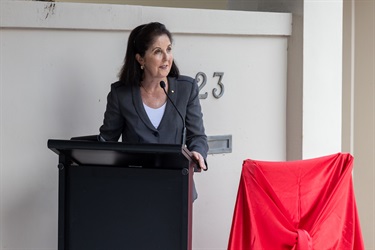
363, 115
57, 62
322, 77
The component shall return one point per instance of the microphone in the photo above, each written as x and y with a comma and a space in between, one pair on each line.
162, 85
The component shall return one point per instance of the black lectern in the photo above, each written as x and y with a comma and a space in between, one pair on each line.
115, 195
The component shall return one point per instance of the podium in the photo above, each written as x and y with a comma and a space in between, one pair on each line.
114, 195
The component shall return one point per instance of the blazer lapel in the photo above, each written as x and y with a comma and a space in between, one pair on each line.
169, 109
172, 92
138, 106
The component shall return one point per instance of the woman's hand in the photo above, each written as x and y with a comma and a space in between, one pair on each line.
199, 158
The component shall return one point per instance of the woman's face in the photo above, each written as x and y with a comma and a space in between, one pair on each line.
158, 59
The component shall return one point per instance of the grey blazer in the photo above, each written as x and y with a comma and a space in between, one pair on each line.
126, 116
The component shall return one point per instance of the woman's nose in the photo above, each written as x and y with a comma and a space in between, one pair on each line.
166, 56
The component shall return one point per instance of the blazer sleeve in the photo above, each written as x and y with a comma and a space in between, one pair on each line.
196, 139
113, 120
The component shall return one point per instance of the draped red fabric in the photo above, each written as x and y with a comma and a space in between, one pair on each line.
298, 205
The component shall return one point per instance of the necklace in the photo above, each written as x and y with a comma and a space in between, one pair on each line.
148, 92
153, 99
145, 89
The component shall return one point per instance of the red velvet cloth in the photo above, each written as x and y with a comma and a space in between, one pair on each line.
299, 205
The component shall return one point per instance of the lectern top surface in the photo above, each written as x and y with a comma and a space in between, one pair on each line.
122, 154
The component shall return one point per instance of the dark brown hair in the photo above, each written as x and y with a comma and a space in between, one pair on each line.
140, 39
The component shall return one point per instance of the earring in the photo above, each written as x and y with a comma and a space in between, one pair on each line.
142, 67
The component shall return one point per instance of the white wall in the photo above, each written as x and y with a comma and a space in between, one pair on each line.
322, 78
57, 61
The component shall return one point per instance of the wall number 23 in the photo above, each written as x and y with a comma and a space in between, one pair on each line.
201, 80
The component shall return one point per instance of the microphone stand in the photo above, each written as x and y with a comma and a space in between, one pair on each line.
183, 139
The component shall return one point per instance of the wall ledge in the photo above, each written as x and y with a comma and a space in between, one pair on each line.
84, 16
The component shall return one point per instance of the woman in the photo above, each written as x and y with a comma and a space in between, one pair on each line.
139, 110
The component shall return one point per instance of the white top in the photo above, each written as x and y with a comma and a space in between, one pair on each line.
155, 115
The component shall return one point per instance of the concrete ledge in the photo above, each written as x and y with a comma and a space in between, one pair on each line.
83, 16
